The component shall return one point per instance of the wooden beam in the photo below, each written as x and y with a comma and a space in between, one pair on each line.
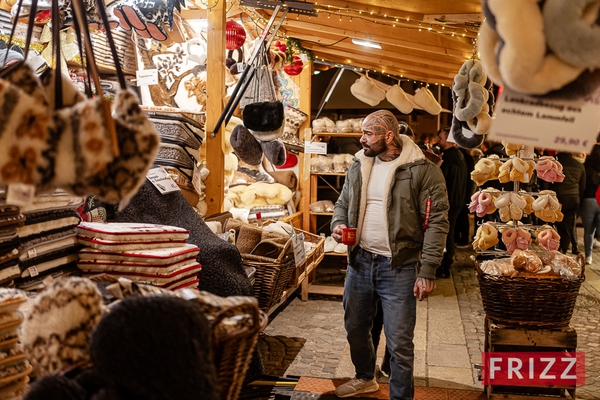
376, 57
376, 9
424, 41
324, 41
214, 106
304, 135
416, 7
430, 78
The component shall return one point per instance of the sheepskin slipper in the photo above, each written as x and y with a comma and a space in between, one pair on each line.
424, 99
468, 86
572, 31
275, 152
398, 98
245, 145
513, 49
263, 116
485, 237
463, 136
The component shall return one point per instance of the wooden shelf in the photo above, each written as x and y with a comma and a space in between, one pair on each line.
338, 134
329, 173
333, 253
321, 213
326, 289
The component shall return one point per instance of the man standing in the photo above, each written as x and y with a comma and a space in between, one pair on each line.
454, 169
396, 199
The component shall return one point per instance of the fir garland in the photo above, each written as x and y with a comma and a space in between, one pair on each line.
292, 46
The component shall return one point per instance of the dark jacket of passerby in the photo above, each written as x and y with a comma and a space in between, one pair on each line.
454, 169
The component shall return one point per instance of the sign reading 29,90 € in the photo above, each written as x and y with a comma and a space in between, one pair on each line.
565, 125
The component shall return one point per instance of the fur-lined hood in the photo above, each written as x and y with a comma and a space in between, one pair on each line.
410, 153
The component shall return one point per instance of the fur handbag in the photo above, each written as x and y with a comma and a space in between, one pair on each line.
367, 90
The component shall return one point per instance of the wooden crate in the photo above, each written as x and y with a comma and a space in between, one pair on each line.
502, 339
313, 257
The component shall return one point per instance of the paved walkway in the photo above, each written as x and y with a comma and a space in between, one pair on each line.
308, 338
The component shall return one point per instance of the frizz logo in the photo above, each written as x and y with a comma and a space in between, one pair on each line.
533, 369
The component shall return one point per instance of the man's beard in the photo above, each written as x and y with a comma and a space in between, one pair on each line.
375, 149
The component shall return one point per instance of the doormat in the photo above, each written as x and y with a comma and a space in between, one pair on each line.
322, 389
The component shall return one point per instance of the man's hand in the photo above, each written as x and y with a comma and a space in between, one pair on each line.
423, 287
337, 233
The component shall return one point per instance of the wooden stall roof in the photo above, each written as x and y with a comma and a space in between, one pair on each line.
424, 40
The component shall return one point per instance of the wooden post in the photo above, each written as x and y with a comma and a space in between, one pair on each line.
215, 71
304, 134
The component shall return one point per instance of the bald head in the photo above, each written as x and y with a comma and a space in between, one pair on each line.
381, 121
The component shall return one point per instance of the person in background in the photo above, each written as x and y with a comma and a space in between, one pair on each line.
454, 169
589, 208
462, 236
568, 193
397, 201
477, 154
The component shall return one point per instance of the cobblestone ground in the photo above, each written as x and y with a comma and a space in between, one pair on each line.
585, 320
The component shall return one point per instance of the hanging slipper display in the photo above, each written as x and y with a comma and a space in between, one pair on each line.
547, 49
473, 102
425, 99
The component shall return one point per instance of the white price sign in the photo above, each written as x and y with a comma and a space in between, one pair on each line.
161, 180
147, 77
553, 124
315, 147
299, 250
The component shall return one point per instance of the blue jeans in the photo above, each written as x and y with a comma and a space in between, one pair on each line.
371, 278
590, 216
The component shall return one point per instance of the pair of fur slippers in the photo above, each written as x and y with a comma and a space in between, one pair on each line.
548, 49
473, 103
486, 237
486, 169
549, 169
483, 202
547, 208
548, 238
404, 102
515, 238
513, 206
516, 170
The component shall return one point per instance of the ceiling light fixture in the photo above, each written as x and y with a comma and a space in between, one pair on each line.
366, 43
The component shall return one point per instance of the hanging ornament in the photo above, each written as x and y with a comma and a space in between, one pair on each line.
235, 35
295, 67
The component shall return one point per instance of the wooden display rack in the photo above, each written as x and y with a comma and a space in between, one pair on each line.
500, 338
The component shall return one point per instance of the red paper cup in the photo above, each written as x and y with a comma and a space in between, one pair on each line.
349, 236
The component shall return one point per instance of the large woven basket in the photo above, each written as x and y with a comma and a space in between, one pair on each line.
233, 349
529, 302
272, 275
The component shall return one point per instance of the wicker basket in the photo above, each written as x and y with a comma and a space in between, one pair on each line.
313, 257
272, 275
233, 349
529, 302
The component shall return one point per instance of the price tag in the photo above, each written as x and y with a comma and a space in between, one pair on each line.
20, 194
315, 147
554, 124
31, 253
33, 271
299, 250
147, 77
161, 180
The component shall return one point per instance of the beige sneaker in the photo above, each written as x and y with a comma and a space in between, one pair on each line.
356, 386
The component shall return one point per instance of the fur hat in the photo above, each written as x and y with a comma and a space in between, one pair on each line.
58, 326
274, 151
263, 116
131, 343
245, 145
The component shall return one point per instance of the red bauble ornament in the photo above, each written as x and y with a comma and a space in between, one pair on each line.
295, 67
235, 35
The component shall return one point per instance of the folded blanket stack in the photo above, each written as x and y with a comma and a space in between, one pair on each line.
48, 245
10, 219
14, 365
146, 253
